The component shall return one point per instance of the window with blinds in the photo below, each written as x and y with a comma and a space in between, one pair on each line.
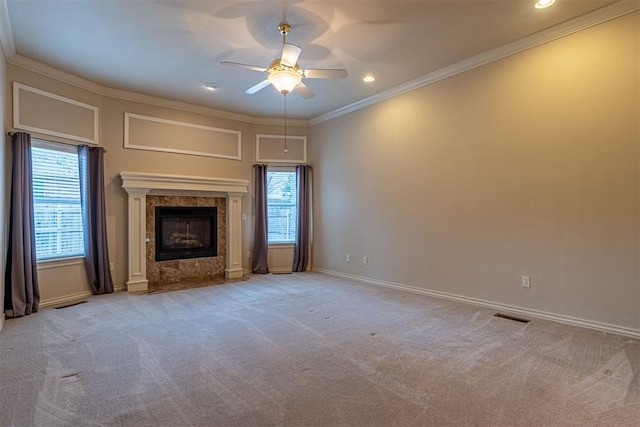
56, 201
282, 208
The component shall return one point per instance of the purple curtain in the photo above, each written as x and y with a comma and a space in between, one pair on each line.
22, 294
260, 241
301, 251
96, 258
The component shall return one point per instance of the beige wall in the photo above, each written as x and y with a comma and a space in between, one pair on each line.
280, 258
526, 166
62, 282
4, 178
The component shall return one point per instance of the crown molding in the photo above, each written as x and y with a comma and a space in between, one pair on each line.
599, 16
6, 35
55, 73
82, 83
594, 18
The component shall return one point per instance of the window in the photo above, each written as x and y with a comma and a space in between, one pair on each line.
282, 206
56, 201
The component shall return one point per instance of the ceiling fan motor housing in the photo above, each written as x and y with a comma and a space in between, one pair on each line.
284, 28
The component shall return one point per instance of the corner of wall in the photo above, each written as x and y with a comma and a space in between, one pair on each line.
4, 195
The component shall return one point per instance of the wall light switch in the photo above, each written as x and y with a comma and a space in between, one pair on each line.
347, 258
365, 260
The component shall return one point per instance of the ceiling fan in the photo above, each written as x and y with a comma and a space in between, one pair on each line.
285, 74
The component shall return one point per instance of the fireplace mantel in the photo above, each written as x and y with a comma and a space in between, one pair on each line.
139, 184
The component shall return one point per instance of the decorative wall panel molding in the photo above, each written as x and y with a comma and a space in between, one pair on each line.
271, 149
38, 111
170, 136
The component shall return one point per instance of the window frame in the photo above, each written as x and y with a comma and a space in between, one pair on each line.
289, 169
58, 259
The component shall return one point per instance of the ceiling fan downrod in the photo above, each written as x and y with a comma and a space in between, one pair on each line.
284, 29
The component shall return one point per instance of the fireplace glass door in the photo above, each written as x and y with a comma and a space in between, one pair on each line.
185, 232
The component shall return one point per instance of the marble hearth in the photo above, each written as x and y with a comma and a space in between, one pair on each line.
139, 184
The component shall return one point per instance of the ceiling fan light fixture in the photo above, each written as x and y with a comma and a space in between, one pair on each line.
541, 4
285, 80
285, 74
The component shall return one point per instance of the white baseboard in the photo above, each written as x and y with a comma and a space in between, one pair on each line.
65, 299
121, 288
621, 330
142, 286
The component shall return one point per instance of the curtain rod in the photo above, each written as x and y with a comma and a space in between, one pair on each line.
65, 143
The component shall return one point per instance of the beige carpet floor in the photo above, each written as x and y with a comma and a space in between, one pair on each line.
308, 350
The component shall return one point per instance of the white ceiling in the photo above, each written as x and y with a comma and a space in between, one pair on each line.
170, 49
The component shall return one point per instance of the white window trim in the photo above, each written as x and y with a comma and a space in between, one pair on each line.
57, 146
45, 264
280, 168
281, 243
62, 261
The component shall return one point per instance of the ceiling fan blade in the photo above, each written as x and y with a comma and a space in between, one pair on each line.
326, 74
304, 91
258, 87
290, 55
237, 64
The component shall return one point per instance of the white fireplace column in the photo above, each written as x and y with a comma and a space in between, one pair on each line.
137, 280
234, 226
139, 184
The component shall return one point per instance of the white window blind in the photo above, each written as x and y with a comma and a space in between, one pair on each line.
282, 209
56, 201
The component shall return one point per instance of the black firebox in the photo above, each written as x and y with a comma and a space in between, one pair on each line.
186, 232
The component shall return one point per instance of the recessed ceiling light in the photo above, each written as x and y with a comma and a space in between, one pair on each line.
544, 3
368, 79
211, 86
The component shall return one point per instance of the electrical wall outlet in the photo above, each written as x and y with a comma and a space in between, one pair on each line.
248, 254
111, 267
347, 258
526, 281
365, 260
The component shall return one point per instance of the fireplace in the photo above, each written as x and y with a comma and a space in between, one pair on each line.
185, 232
143, 185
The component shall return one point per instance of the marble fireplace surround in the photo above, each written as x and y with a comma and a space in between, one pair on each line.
139, 184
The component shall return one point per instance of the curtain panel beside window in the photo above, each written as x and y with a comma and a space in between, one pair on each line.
260, 235
301, 251
22, 293
96, 257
